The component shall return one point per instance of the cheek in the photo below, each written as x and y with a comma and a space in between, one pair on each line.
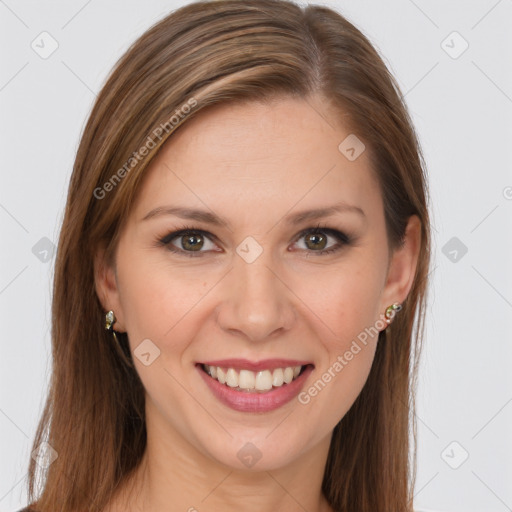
345, 304
144, 300
155, 297
345, 299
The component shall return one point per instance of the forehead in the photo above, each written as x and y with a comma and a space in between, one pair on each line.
277, 154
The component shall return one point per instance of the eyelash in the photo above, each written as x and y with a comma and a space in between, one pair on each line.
165, 241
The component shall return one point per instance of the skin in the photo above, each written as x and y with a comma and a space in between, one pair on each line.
251, 164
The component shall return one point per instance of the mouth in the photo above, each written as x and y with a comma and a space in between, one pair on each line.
249, 381
255, 387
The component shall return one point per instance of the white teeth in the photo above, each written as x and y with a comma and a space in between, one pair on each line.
232, 378
246, 380
263, 380
221, 376
278, 379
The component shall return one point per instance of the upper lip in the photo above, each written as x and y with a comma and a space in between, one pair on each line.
255, 366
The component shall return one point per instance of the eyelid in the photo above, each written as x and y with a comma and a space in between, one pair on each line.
336, 233
183, 231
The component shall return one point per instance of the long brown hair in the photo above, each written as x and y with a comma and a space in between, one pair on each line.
203, 54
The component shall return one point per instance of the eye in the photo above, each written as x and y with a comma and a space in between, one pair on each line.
316, 240
189, 241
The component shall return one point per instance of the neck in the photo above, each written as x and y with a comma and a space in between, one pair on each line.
174, 475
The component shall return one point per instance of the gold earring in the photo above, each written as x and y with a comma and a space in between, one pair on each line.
110, 320
391, 311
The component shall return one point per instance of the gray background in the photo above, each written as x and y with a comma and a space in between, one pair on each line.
461, 103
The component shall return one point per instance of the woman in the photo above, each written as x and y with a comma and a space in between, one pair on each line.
241, 275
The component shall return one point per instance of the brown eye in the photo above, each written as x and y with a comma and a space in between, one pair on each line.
195, 242
192, 242
316, 241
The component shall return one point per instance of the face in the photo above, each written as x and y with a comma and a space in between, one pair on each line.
255, 283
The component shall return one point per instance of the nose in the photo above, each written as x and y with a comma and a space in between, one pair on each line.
256, 302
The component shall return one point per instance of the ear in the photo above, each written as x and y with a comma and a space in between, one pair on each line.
402, 266
105, 282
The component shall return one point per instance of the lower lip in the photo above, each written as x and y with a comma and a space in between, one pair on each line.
244, 401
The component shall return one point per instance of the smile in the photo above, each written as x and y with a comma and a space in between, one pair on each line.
249, 381
255, 387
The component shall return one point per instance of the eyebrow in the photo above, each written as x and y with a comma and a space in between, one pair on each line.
213, 219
